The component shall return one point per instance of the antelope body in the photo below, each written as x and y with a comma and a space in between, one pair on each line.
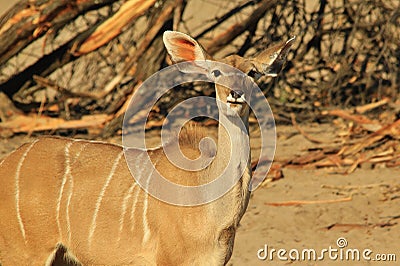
74, 202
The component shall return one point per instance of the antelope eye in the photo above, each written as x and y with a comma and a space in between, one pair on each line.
216, 73
254, 74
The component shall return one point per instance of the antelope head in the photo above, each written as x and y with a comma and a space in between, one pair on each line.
233, 99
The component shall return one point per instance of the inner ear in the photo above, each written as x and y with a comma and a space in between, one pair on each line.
182, 47
182, 50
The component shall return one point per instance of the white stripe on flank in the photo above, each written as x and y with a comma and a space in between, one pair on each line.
79, 153
135, 199
71, 189
101, 195
146, 229
124, 207
64, 180
139, 166
17, 175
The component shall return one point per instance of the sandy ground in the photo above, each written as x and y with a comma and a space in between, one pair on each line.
369, 218
368, 221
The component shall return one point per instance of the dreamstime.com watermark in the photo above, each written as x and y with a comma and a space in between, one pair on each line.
340, 252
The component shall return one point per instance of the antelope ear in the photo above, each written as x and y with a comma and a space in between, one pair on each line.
182, 47
271, 61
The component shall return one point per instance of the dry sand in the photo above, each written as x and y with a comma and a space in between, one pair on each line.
368, 218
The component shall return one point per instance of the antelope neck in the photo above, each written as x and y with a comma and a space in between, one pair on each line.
233, 148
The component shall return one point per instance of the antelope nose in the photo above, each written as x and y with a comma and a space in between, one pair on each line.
237, 94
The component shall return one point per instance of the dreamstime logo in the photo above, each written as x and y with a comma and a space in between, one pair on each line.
146, 169
341, 253
341, 242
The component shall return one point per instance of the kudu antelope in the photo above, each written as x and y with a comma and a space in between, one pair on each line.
74, 202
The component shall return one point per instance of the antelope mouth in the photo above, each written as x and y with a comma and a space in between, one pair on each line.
236, 102
231, 100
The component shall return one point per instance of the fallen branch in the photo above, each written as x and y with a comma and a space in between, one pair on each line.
27, 21
131, 64
349, 116
275, 171
226, 16
221, 40
355, 187
306, 202
310, 157
113, 26
368, 107
45, 82
348, 227
302, 132
392, 129
33, 123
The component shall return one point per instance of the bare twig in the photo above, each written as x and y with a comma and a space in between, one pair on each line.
302, 132
307, 202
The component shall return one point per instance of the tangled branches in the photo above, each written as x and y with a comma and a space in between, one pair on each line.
87, 57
